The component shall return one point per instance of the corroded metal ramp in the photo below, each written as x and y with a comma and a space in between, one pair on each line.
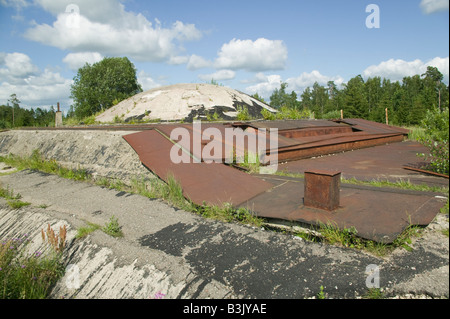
377, 214
214, 183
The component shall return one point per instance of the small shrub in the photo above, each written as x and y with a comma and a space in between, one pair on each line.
267, 115
436, 138
24, 275
243, 114
113, 228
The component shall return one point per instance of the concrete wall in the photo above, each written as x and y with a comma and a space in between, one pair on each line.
102, 153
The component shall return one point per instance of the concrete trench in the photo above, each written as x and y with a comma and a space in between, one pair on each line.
168, 253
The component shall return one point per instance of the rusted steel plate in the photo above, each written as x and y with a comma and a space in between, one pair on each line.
214, 184
373, 127
216, 147
294, 124
383, 162
378, 214
425, 171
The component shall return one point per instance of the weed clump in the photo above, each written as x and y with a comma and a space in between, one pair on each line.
31, 276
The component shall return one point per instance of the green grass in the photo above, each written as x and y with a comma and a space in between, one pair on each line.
113, 228
400, 184
374, 293
415, 133
173, 194
16, 204
12, 200
86, 230
331, 234
39, 163
27, 276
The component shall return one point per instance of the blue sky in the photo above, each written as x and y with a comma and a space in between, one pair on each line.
249, 45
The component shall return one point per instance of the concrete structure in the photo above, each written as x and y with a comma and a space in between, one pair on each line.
184, 102
58, 118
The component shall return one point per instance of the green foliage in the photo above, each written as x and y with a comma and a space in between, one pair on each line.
243, 114
332, 115
267, 115
15, 116
407, 101
113, 228
86, 230
281, 98
259, 98
37, 162
321, 293
287, 113
374, 293
436, 138
27, 276
99, 86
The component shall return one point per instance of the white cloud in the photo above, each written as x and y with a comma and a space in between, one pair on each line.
17, 65
220, 75
78, 60
175, 60
432, 6
396, 70
308, 79
105, 27
266, 86
197, 62
146, 81
259, 55
32, 86
18, 4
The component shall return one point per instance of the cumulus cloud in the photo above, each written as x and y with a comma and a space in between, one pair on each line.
259, 55
16, 66
146, 81
308, 79
396, 69
18, 4
78, 60
267, 84
221, 75
107, 28
33, 87
197, 62
432, 6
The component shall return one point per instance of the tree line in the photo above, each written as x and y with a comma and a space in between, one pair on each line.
407, 102
101, 85
12, 115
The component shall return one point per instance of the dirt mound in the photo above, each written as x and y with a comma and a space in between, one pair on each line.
184, 102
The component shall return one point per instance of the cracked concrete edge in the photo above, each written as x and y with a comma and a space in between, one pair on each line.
95, 269
101, 153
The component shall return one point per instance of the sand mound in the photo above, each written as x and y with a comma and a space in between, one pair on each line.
184, 102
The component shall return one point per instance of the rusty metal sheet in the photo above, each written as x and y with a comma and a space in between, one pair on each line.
378, 214
373, 127
294, 124
214, 183
383, 162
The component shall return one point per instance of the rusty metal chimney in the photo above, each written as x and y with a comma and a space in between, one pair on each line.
322, 189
